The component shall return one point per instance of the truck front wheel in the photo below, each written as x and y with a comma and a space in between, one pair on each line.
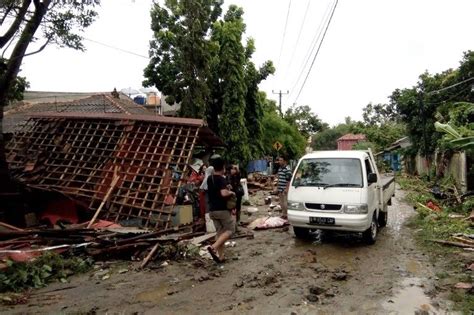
301, 233
370, 236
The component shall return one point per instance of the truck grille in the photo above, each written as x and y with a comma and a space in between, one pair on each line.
321, 206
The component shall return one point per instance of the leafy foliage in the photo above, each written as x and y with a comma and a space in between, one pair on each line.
59, 22
198, 60
379, 114
232, 129
327, 139
255, 102
18, 87
432, 99
277, 129
37, 273
307, 122
181, 52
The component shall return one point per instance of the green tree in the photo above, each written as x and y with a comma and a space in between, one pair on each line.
305, 120
23, 22
228, 34
181, 52
18, 87
433, 97
379, 114
380, 136
327, 139
198, 60
277, 129
255, 100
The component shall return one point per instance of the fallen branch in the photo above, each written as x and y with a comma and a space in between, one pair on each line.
457, 244
463, 240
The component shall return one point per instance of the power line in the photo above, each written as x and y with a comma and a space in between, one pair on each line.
116, 48
284, 33
317, 51
312, 46
298, 38
450, 86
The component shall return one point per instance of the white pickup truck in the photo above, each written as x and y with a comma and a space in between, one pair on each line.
341, 191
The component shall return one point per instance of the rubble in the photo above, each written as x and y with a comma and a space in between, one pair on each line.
25, 245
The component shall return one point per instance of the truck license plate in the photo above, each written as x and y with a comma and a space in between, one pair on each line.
322, 221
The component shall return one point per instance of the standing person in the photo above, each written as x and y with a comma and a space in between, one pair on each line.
218, 195
234, 180
284, 177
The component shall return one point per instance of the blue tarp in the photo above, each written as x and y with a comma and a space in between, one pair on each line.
257, 166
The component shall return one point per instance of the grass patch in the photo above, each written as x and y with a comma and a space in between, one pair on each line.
439, 225
464, 301
20, 276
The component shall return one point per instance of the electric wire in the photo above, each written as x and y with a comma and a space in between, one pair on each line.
317, 51
450, 86
312, 47
298, 38
116, 48
284, 33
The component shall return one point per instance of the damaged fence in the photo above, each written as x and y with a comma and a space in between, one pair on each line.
77, 155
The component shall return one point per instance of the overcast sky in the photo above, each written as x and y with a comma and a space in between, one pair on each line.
371, 48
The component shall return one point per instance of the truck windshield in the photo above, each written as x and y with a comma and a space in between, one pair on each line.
334, 172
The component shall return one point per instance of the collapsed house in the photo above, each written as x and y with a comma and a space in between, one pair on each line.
140, 161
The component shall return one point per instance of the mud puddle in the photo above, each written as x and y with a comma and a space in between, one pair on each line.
410, 299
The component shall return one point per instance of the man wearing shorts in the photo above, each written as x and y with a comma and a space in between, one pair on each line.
218, 194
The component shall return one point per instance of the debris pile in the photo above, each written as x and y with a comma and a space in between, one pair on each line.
104, 243
258, 181
127, 167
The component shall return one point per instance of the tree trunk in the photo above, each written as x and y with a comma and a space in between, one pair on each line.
8, 78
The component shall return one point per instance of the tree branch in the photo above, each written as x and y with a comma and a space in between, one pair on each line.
39, 50
7, 11
16, 23
8, 46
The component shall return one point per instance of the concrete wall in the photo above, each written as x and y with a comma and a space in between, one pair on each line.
455, 166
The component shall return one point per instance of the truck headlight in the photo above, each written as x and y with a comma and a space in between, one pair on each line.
362, 208
293, 205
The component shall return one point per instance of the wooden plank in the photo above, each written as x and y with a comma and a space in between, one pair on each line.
201, 239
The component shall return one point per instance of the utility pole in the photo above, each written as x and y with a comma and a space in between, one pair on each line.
280, 93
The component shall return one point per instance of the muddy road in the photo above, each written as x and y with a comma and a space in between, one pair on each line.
274, 273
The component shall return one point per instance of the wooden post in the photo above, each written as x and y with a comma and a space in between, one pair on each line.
115, 180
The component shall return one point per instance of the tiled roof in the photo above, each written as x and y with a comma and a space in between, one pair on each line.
351, 136
15, 117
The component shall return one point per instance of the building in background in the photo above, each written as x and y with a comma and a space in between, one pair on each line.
347, 141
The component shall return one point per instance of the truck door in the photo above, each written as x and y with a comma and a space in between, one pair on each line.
372, 196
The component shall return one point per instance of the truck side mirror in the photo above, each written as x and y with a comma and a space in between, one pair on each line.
372, 178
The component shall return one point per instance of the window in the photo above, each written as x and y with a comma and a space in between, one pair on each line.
343, 172
368, 167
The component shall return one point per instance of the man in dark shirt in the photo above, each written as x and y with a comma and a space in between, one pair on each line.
222, 218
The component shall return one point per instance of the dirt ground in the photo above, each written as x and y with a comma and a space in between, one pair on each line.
274, 273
